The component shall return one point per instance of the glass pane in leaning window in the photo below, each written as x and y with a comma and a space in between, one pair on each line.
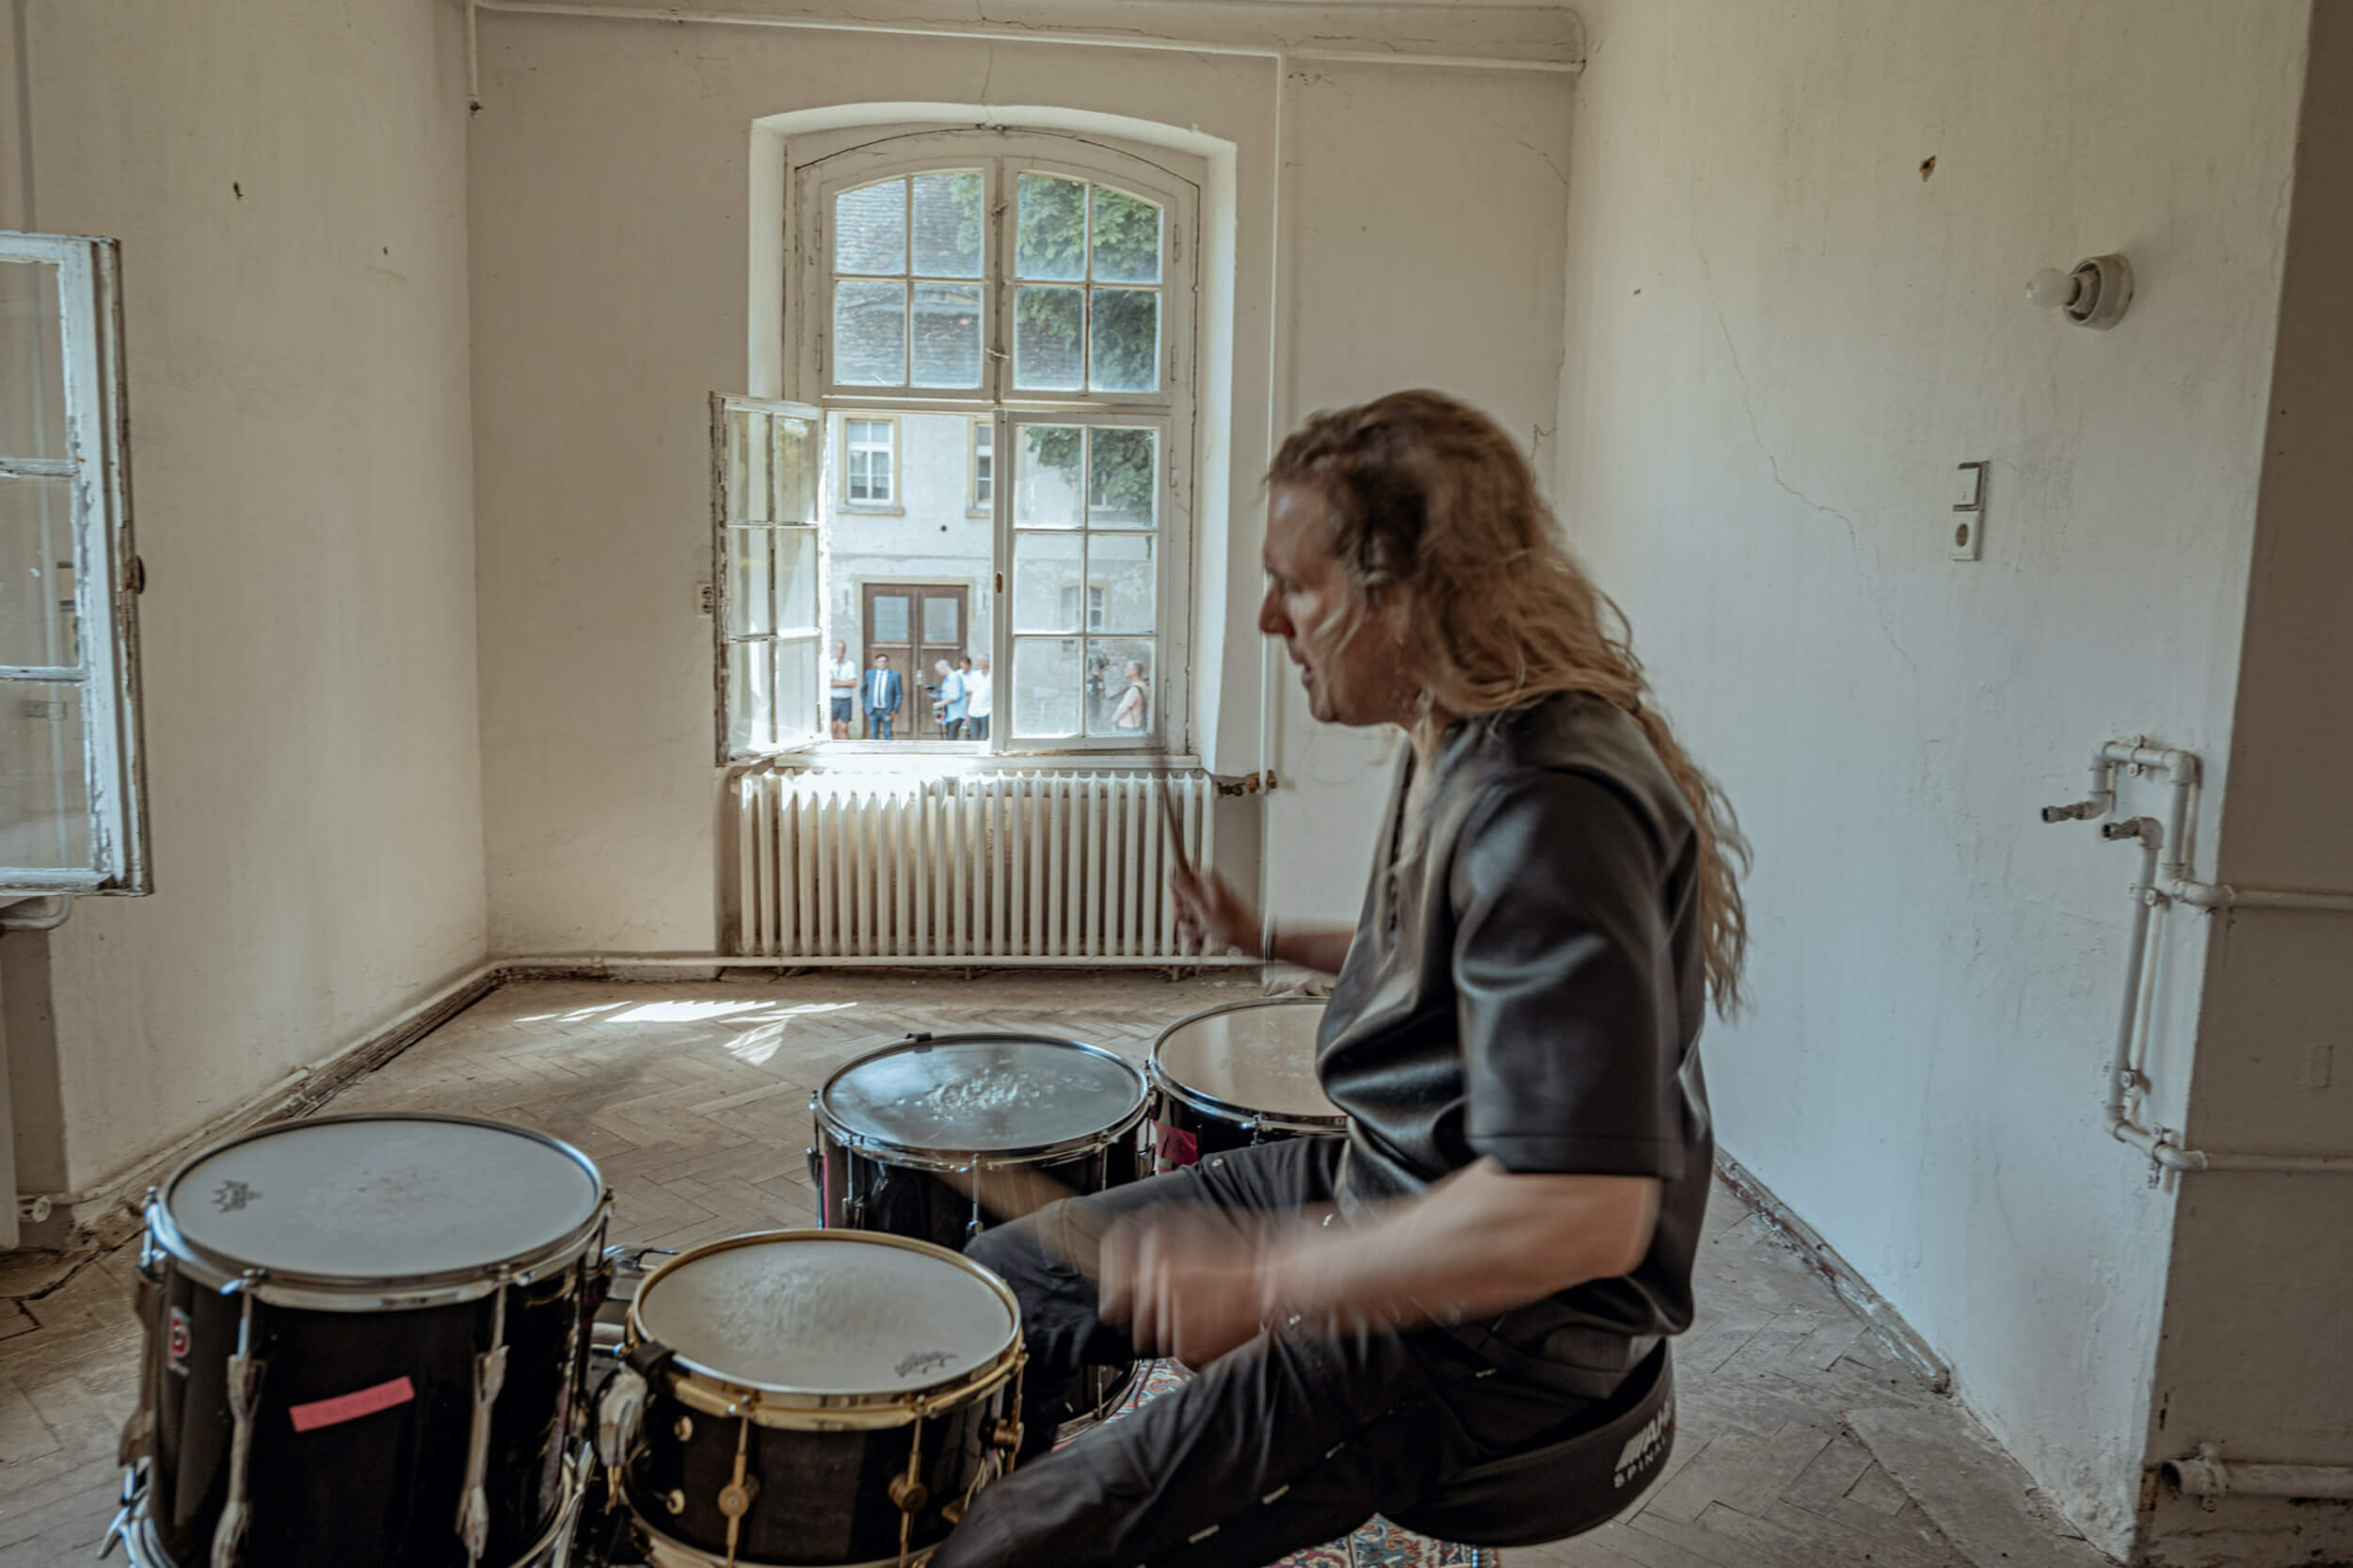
870, 334
1119, 686
38, 627
1122, 586
1044, 687
1046, 570
870, 228
1127, 238
1048, 350
947, 335
796, 579
796, 471
796, 687
42, 777
1124, 341
32, 359
948, 228
1122, 477
749, 722
750, 604
748, 466
1051, 237
1046, 488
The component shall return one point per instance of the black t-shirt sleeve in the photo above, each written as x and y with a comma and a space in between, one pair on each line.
1564, 983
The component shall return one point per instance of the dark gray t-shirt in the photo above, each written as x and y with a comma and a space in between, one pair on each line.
1530, 987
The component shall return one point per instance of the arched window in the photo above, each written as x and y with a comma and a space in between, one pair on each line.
991, 338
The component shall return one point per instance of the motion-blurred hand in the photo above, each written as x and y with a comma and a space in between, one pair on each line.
1210, 916
1180, 1288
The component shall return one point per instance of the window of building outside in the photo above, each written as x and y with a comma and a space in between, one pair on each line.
996, 332
72, 806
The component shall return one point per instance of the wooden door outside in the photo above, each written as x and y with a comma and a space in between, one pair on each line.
918, 624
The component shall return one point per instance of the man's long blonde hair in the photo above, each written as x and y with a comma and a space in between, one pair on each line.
1428, 497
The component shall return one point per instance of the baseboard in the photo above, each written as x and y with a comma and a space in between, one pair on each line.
1873, 1308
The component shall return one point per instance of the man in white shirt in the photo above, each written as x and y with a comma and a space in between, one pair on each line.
979, 699
842, 677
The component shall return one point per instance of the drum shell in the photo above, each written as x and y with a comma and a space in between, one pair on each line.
824, 1497
1184, 1132
869, 1188
382, 1490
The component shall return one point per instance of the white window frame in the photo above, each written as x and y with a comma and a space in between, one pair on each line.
892, 505
808, 318
780, 517
106, 568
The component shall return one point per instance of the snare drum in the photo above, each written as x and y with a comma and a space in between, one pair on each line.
1244, 1073
365, 1348
932, 1137
809, 1396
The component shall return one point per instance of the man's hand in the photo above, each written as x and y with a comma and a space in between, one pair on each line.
1210, 916
1180, 1288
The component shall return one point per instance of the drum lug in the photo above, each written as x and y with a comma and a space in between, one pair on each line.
909, 1494
684, 1427
918, 1036
1006, 1434
675, 1500
735, 1498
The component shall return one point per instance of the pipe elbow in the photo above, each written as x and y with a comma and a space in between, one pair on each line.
2201, 1476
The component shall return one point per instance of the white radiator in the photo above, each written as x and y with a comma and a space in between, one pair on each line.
1012, 867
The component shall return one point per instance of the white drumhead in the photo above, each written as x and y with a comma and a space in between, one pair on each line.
1255, 1057
984, 1094
826, 1315
382, 1198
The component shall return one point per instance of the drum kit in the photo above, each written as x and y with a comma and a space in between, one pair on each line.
403, 1341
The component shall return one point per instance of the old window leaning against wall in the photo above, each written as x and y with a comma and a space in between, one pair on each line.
1016, 312
72, 806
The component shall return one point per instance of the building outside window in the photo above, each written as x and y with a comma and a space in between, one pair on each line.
870, 462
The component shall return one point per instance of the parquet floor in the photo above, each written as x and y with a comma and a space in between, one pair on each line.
693, 1097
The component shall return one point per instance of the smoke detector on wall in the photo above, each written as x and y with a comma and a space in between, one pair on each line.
2094, 295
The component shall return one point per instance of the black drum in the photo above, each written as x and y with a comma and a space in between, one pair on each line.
1242, 1074
938, 1137
809, 1396
367, 1337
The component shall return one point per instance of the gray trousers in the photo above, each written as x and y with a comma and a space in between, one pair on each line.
1288, 1441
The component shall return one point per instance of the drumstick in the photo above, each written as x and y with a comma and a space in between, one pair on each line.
1175, 832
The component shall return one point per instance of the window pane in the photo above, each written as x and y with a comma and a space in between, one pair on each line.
1051, 240
32, 362
796, 691
751, 611
1127, 238
943, 621
1045, 569
1045, 481
983, 464
1044, 687
44, 799
748, 466
870, 334
870, 228
796, 469
890, 619
947, 335
948, 224
1119, 686
1121, 583
1122, 477
1046, 328
1127, 340
36, 624
751, 694
796, 579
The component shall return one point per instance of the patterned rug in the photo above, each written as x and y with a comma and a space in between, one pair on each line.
1378, 1544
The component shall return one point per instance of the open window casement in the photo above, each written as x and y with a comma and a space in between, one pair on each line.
765, 461
71, 795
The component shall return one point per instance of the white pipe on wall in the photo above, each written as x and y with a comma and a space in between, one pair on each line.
48, 920
2209, 1475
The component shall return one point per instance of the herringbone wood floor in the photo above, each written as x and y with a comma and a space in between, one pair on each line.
693, 1097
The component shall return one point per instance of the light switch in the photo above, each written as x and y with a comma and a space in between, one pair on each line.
1967, 518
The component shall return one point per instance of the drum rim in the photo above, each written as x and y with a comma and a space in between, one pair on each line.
1227, 1110
914, 1157
774, 1405
300, 1288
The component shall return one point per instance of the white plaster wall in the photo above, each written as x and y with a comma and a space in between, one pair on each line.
598, 337
286, 177
1781, 340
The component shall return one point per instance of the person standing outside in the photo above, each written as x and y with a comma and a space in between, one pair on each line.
980, 697
842, 675
949, 708
1134, 707
884, 693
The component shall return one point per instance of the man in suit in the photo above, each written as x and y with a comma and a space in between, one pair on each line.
881, 694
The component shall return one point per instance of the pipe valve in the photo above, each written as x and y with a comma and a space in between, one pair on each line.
2081, 810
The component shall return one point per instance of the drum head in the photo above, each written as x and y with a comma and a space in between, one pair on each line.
383, 1198
1255, 1056
984, 1094
838, 1314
